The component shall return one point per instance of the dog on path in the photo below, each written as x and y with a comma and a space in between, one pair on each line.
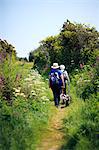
65, 98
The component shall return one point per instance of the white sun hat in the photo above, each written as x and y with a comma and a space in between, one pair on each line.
55, 66
62, 67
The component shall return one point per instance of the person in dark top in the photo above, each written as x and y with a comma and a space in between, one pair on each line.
56, 82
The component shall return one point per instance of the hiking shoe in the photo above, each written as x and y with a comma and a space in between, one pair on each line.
57, 106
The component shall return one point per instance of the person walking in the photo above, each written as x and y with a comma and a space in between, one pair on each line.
66, 79
56, 82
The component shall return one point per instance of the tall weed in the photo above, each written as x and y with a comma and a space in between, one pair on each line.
23, 122
81, 125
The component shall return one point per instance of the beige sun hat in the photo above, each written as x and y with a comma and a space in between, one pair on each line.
62, 67
55, 66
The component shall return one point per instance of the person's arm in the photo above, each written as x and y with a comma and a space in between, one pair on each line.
62, 78
67, 76
68, 81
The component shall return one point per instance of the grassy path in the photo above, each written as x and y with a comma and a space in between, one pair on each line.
53, 137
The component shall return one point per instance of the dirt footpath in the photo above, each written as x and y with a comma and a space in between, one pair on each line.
53, 138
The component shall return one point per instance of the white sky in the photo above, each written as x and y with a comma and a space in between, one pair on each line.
24, 23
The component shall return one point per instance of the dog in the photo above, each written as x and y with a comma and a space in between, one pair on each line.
65, 98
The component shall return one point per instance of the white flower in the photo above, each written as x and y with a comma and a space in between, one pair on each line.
28, 79
30, 84
22, 94
17, 90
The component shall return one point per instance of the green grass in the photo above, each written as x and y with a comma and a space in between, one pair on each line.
81, 122
23, 123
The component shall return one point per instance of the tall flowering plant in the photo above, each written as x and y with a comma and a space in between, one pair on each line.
6, 82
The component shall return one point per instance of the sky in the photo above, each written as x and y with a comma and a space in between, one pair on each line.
24, 23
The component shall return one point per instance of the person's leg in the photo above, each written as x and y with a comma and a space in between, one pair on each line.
54, 89
65, 89
59, 98
58, 91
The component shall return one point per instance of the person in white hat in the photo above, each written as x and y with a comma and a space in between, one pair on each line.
56, 81
66, 78
55, 66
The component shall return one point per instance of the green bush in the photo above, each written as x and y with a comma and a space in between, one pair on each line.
81, 125
23, 122
86, 81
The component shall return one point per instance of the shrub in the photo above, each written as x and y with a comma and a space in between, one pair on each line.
23, 122
81, 125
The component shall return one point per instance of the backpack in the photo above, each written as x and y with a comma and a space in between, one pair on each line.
54, 78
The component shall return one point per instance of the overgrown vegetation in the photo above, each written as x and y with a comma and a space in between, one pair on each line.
77, 47
24, 103
81, 123
25, 107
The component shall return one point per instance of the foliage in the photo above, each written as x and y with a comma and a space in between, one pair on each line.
7, 58
77, 47
24, 95
86, 81
25, 120
81, 125
24, 103
22, 124
75, 44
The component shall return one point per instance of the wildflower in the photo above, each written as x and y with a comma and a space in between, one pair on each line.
22, 94
27, 79
17, 90
30, 84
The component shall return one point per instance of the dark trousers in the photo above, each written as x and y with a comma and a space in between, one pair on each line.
56, 93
